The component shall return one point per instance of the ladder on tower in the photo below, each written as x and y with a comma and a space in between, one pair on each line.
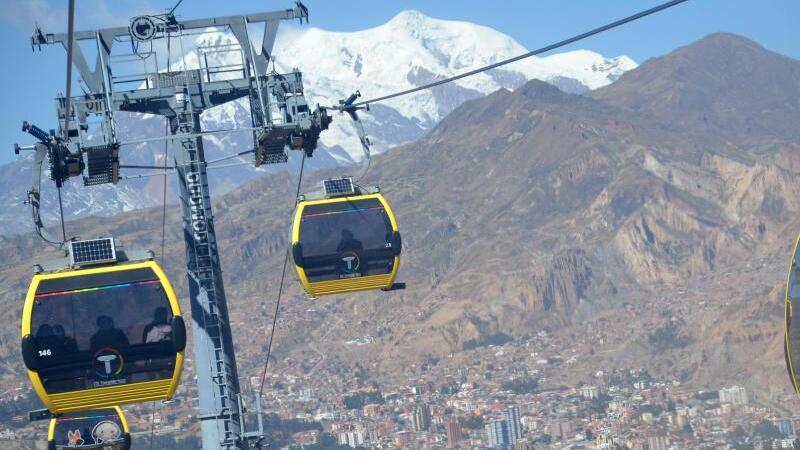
204, 268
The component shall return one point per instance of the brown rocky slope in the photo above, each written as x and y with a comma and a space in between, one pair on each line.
665, 198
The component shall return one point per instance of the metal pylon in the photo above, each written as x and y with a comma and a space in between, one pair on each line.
213, 341
281, 119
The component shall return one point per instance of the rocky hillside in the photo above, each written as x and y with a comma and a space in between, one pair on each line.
636, 237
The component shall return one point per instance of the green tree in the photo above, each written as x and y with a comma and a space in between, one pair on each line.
768, 430
472, 422
522, 385
599, 404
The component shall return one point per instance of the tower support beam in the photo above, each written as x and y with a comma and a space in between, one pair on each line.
215, 361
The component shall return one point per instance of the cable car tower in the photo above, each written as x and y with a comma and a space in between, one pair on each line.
281, 119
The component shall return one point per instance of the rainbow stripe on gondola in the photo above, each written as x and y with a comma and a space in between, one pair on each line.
100, 416
98, 288
377, 208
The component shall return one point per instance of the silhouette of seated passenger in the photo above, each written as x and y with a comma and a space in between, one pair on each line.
107, 335
45, 330
68, 345
46, 338
159, 329
349, 243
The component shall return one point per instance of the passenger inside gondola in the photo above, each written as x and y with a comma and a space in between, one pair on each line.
46, 339
349, 243
159, 329
108, 335
67, 344
45, 330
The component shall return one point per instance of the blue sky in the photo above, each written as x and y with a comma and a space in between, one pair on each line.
33, 79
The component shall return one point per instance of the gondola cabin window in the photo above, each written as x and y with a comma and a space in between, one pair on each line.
102, 330
104, 429
346, 240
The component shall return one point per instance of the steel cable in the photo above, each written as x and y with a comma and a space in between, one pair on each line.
280, 288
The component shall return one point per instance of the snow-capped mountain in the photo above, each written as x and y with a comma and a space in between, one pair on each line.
411, 50
408, 51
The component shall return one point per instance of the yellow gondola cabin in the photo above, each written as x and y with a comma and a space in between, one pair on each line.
792, 313
345, 242
101, 336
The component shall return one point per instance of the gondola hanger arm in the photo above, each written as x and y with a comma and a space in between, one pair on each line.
351, 108
33, 199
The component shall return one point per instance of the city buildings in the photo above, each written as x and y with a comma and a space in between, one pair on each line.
459, 409
422, 418
657, 441
511, 415
454, 435
352, 438
561, 429
590, 392
498, 434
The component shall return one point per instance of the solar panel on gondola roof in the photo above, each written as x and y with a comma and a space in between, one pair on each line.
335, 187
94, 251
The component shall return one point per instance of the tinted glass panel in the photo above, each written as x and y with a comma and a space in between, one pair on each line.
89, 430
346, 239
98, 279
94, 335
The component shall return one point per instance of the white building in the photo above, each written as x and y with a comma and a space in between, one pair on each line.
735, 395
590, 392
352, 438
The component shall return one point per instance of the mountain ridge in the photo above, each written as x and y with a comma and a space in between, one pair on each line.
329, 61
720, 63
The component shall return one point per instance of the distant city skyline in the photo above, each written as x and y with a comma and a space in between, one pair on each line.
38, 77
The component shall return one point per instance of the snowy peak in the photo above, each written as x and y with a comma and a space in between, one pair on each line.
411, 19
411, 50
456, 45
590, 68
383, 56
